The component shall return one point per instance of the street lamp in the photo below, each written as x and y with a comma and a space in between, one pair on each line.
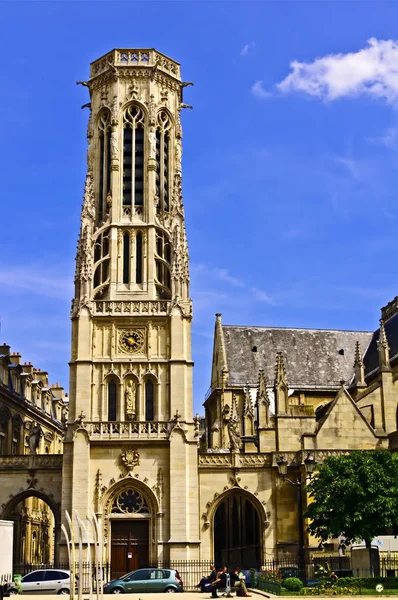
309, 464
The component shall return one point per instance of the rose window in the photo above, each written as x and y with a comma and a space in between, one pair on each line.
130, 501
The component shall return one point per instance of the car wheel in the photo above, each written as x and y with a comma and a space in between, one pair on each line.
117, 590
12, 592
63, 592
170, 590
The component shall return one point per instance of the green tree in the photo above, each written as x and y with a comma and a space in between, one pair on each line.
354, 495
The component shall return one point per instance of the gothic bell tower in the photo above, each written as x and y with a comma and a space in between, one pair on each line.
131, 444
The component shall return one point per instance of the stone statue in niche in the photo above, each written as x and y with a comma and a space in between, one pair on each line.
234, 435
34, 438
152, 144
129, 396
114, 148
178, 154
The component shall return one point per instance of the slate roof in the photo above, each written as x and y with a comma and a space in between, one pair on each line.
311, 356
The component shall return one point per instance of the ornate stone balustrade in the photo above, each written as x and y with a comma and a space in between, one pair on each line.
128, 430
241, 460
31, 461
107, 308
135, 58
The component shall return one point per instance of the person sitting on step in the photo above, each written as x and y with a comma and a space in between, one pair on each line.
219, 582
238, 582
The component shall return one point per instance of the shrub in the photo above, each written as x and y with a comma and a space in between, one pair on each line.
335, 590
354, 582
293, 584
271, 575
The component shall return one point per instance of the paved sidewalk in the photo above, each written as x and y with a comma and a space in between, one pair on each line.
141, 596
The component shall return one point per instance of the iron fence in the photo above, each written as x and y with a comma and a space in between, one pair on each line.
82, 571
192, 571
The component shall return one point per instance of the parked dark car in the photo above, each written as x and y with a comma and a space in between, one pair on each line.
146, 580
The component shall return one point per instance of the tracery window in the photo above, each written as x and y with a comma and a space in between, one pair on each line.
130, 501
126, 257
104, 162
163, 265
112, 400
138, 257
162, 161
101, 264
133, 160
149, 400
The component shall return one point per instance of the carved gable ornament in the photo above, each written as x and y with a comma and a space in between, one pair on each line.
129, 459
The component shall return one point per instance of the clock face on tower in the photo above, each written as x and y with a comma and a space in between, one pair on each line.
132, 340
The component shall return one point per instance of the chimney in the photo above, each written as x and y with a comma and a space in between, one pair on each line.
27, 368
15, 358
57, 391
5, 349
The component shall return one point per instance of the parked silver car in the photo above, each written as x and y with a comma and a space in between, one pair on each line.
44, 581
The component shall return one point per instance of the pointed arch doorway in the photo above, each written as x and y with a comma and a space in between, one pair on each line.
237, 535
132, 526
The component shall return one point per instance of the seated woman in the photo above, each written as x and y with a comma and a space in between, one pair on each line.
238, 582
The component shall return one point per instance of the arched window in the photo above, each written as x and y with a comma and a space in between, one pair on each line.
104, 162
138, 258
149, 400
101, 264
162, 161
112, 400
126, 257
163, 268
133, 160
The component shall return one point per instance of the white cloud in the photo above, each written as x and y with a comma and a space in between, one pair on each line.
225, 276
372, 71
352, 166
261, 296
259, 91
246, 48
388, 139
35, 281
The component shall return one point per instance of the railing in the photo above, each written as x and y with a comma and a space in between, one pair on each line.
128, 307
31, 461
128, 430
142, 57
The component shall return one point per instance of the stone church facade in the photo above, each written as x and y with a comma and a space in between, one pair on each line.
130, 450
161, 487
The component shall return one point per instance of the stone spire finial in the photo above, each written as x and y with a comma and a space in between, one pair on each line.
281, 386
263, 402
280, 371
248, 413
383, 348
234, 409
359, 367
262, 393
248, 409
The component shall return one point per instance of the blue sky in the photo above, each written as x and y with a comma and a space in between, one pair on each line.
289, 171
